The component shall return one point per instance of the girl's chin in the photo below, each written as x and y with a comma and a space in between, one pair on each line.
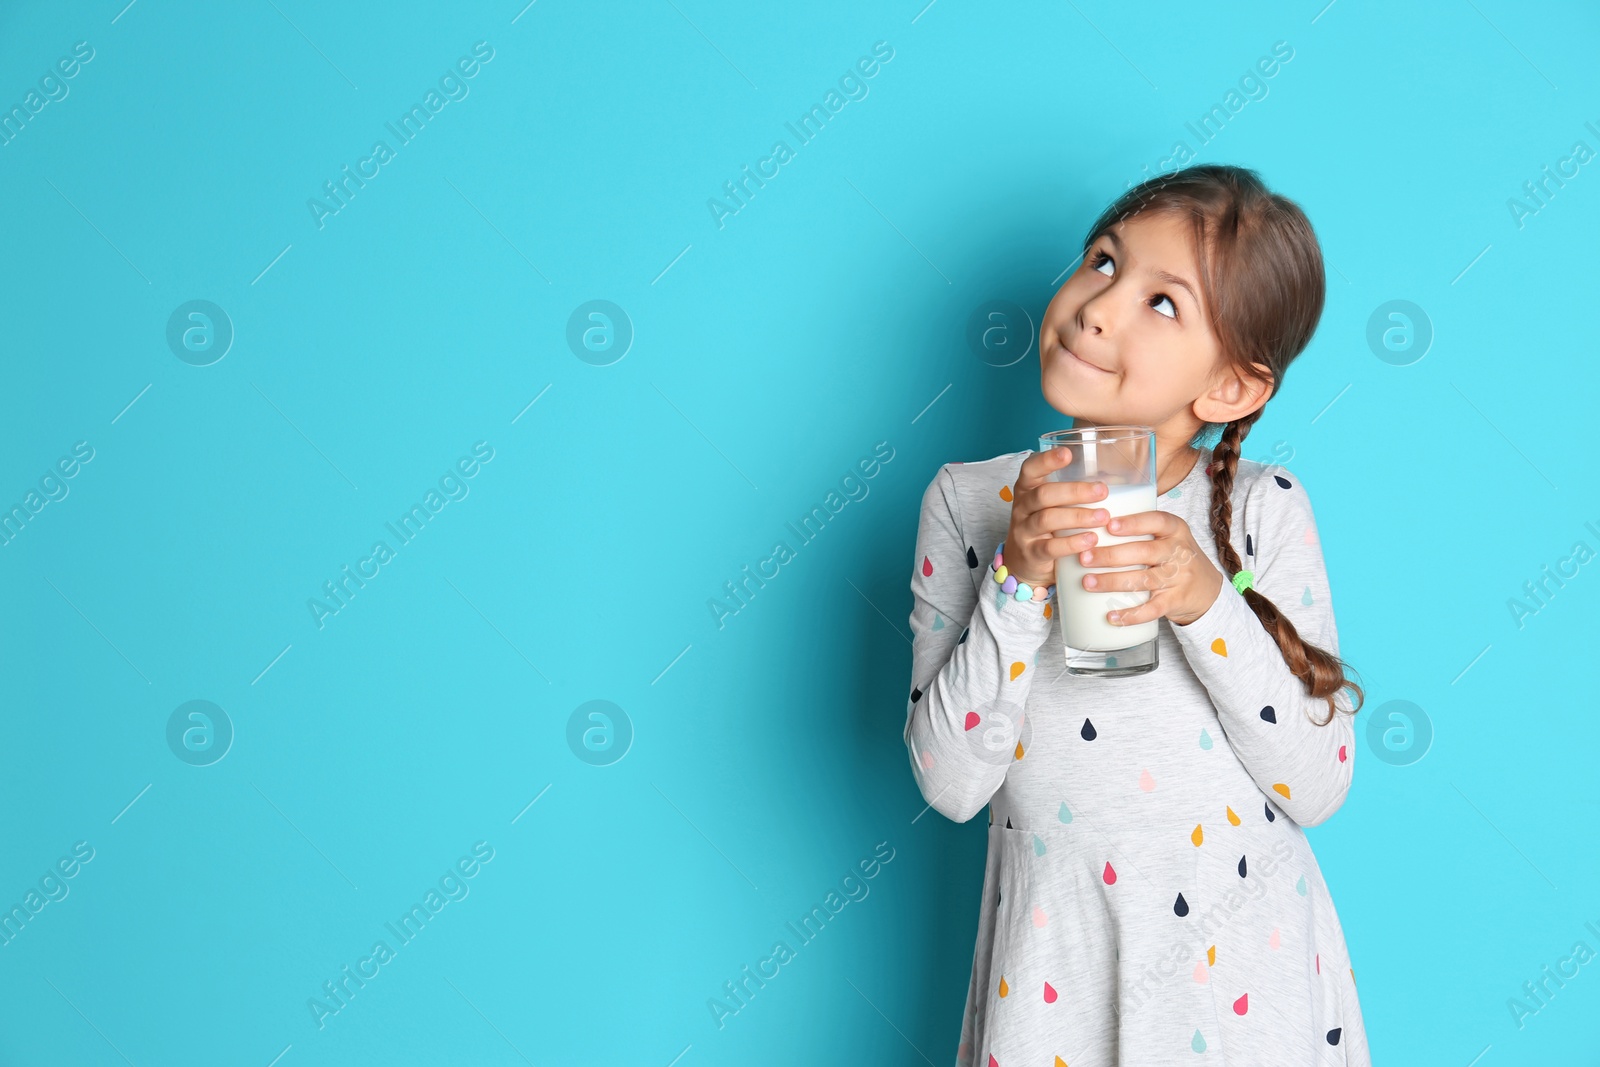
1067, 407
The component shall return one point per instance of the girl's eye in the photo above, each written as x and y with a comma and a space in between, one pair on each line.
1100, 259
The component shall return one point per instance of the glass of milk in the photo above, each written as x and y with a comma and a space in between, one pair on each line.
1124, 458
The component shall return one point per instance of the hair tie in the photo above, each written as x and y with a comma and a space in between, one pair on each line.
1244, 580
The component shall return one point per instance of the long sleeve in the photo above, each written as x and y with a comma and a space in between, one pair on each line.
1265, 711
973, 653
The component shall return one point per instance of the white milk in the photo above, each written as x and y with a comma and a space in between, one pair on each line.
1083, 611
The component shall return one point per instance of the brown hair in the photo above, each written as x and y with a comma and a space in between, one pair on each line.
1262, 280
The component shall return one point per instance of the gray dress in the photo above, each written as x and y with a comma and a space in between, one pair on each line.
1149, 895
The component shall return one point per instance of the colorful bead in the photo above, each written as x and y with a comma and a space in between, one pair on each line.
1010, 584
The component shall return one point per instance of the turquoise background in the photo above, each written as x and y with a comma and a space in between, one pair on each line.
768, 356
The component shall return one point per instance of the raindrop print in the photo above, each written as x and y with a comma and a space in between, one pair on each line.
1305, 598
1146, 782
1343, 755
1038, 846
1268, 715
1270, 817
1060, 1062
1198, 836
938, 622
1004, 989
973, 719
1300, 886
1019, 750
1050, 998
972, 559
1211, 956
1275, 941
1008, 823
1017, 668
1241, 1005
1197, 1043
1249, 546
1040, 919
927, 567
1180, 908
1232, 818
1333, 1035
1220, 647
1205, 741
1241, 867
1201, 974
1279, 787
1282, 481
1065, 814
916, 694
1109, 875
964, 636
1087, 733
992, 1061
927, 761
1005, 493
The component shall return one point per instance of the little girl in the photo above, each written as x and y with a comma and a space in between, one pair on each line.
1149, 895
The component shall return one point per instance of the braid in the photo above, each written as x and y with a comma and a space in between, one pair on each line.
1321, 672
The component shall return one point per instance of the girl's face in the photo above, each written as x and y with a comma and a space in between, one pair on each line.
1127, 341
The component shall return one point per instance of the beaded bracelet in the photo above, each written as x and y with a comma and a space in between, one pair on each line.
1009, 583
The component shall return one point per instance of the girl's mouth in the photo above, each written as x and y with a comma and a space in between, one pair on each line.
1079, 359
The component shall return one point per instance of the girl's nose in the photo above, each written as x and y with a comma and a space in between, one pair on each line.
1093, 316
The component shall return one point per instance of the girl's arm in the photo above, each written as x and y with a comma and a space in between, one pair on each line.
972, 663
1303, 768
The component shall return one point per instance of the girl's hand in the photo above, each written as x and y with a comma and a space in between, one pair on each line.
1039, 508
1183, 583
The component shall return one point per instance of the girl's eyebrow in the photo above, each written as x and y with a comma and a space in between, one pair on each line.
1163, 275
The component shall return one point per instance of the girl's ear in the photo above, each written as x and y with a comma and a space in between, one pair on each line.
1233, 395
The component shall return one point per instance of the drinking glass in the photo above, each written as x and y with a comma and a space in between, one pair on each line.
1124, 458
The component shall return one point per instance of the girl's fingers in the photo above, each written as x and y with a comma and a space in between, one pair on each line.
1120, 582
1150, 553
1049, 520
1038, 466
1057, 547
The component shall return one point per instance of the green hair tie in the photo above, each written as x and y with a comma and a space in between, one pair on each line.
1244, 580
